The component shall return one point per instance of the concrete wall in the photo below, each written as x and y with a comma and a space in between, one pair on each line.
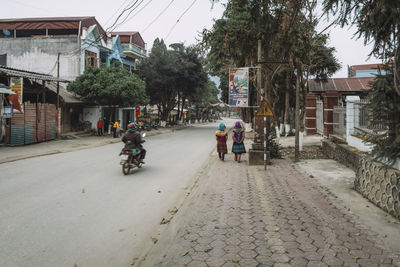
377, 182
380, 184
342, 153
92, 114
39, 54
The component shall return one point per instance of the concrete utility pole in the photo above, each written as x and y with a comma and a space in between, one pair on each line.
58, 83
262, 96
297, 116
58, 96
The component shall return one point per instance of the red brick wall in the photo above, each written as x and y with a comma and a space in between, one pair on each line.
311, 103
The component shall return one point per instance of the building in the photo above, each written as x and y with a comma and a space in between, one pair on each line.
365, 70
323, 97
133, 46
63, 47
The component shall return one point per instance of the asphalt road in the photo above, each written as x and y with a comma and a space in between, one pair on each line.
78, 207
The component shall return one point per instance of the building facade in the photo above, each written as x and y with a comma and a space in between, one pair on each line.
63, 47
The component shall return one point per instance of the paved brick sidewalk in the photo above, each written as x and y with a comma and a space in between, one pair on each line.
243, 216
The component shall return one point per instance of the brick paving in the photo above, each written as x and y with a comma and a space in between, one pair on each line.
245, 216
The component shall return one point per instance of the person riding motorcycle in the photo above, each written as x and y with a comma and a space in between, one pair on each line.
132, 139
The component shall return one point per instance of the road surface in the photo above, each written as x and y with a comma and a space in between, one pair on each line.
78, 207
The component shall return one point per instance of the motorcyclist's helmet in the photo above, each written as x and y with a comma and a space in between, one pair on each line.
132, 125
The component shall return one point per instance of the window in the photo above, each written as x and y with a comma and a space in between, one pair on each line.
90, 59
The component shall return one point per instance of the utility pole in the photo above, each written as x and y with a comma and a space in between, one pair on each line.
58, 94
297, 116
259, 81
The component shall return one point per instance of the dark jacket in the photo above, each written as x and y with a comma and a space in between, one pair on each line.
132, 139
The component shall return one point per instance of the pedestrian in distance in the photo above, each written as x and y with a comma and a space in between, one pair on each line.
238, 137
116, 129
100, 125
222, 137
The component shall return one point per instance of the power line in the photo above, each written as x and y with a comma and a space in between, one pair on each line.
159, 15
127, 16
116, 11
123, 11
177, 21
134, 14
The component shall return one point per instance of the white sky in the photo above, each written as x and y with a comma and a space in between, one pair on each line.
199, 16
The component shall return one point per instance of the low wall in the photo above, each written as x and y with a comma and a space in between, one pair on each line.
380, 184
376, 181
342, 153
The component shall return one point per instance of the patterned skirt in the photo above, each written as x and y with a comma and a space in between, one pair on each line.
222, 148
238, 148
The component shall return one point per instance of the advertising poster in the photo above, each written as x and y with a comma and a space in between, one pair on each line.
239, 87
16, 85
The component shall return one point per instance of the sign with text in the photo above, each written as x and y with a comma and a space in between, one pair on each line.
239, 87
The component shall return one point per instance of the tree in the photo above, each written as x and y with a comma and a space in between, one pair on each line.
191, 79
378, 22
159, 72
173, 76
109, 86
208, 95
385, 109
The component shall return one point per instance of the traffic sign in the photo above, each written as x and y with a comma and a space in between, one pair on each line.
265, 109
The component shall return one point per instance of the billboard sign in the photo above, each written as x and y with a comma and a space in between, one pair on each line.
239, 87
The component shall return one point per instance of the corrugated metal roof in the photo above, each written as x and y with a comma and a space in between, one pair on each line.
29, 74
51, 23
123, 33
341, 84
45, 19
67, 96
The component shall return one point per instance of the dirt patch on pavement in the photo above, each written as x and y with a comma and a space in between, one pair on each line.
308, 152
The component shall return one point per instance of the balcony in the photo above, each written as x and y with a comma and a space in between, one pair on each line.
134, 51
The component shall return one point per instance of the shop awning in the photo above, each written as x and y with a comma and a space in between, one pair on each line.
29, 75
4, 89
67, 96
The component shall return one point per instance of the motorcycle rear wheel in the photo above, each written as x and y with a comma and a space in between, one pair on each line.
126, 168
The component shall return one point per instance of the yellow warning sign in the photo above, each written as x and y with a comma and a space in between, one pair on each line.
265, 109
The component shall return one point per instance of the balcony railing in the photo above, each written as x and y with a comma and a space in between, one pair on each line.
134, 49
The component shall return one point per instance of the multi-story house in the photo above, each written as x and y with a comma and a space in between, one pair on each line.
133, 46
64, 47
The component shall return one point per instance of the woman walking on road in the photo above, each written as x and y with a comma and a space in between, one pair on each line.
238, 138
222, 137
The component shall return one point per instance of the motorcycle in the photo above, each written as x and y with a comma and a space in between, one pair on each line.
130, 158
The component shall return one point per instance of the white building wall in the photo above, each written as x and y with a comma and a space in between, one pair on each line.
39, 54
352, 120
92, 115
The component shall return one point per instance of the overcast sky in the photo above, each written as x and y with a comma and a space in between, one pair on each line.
158, 18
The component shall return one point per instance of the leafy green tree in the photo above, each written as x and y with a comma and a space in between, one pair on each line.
191, 77
159, 72
385, 109
110, 86
173, 76
208, 95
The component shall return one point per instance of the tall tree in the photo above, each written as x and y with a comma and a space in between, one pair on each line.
172, 76
191, 77
159, 72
